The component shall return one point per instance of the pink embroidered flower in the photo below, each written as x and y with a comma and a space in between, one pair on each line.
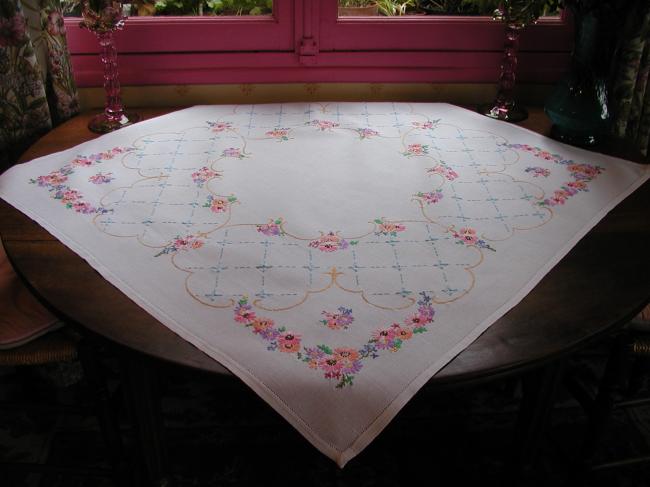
538, 171
279, 134
579, 185
233, 152
70, 196
82, 207
272, 228
424, 125
416, 320
82, 162
402, 333
332, 366
388, 228
203, 175
55, 24
416, 150
289, 342
219, 126
348, 358
53, 179
584, 171
330, 242
431, 197
323, 124
384, 338
559, 197
189, 242
218, 204
101, 178
243, 313
467, 235
338, 321
445, 171
261, 325
367, 133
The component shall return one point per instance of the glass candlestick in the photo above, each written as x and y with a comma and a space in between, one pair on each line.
504, 106
516, 14
103, 18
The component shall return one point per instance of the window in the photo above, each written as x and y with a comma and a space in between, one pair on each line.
307, 41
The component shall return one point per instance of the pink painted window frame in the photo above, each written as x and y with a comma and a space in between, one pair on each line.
305, 41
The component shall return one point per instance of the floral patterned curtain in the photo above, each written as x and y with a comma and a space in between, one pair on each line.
37, 89
631, 92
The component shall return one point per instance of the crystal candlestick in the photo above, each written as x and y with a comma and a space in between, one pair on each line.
504, 106
103, 18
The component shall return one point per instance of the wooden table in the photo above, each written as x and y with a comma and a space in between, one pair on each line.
602, 283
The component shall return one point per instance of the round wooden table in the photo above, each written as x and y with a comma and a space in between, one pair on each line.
602, 283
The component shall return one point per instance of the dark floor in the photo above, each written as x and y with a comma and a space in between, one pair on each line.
220, 434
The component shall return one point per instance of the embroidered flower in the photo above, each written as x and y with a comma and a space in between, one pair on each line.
338, 321
323, 124
416, 150
289, 342
538, 171
218, 204
584, 171
219, 126
189, 242
85, 161
425, 125
341, 363
431, 197
271, 229
467, 236
388, 228
244, 313
101, 178
366, 133
445, 171
53, 179
330, 242
348, 358
235, 152
203, 175
279, 134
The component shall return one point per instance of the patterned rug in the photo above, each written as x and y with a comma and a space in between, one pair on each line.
219, 434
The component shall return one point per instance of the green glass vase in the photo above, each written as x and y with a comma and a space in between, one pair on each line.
577, 105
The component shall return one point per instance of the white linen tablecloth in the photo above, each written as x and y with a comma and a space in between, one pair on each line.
334, 256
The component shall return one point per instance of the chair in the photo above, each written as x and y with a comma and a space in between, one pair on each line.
30, 336
619, 387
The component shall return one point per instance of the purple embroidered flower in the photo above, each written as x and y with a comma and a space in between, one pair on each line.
431, 197
85, 161
271, 229
338, 321
101, 178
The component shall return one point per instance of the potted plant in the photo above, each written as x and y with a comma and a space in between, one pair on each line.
357, 8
